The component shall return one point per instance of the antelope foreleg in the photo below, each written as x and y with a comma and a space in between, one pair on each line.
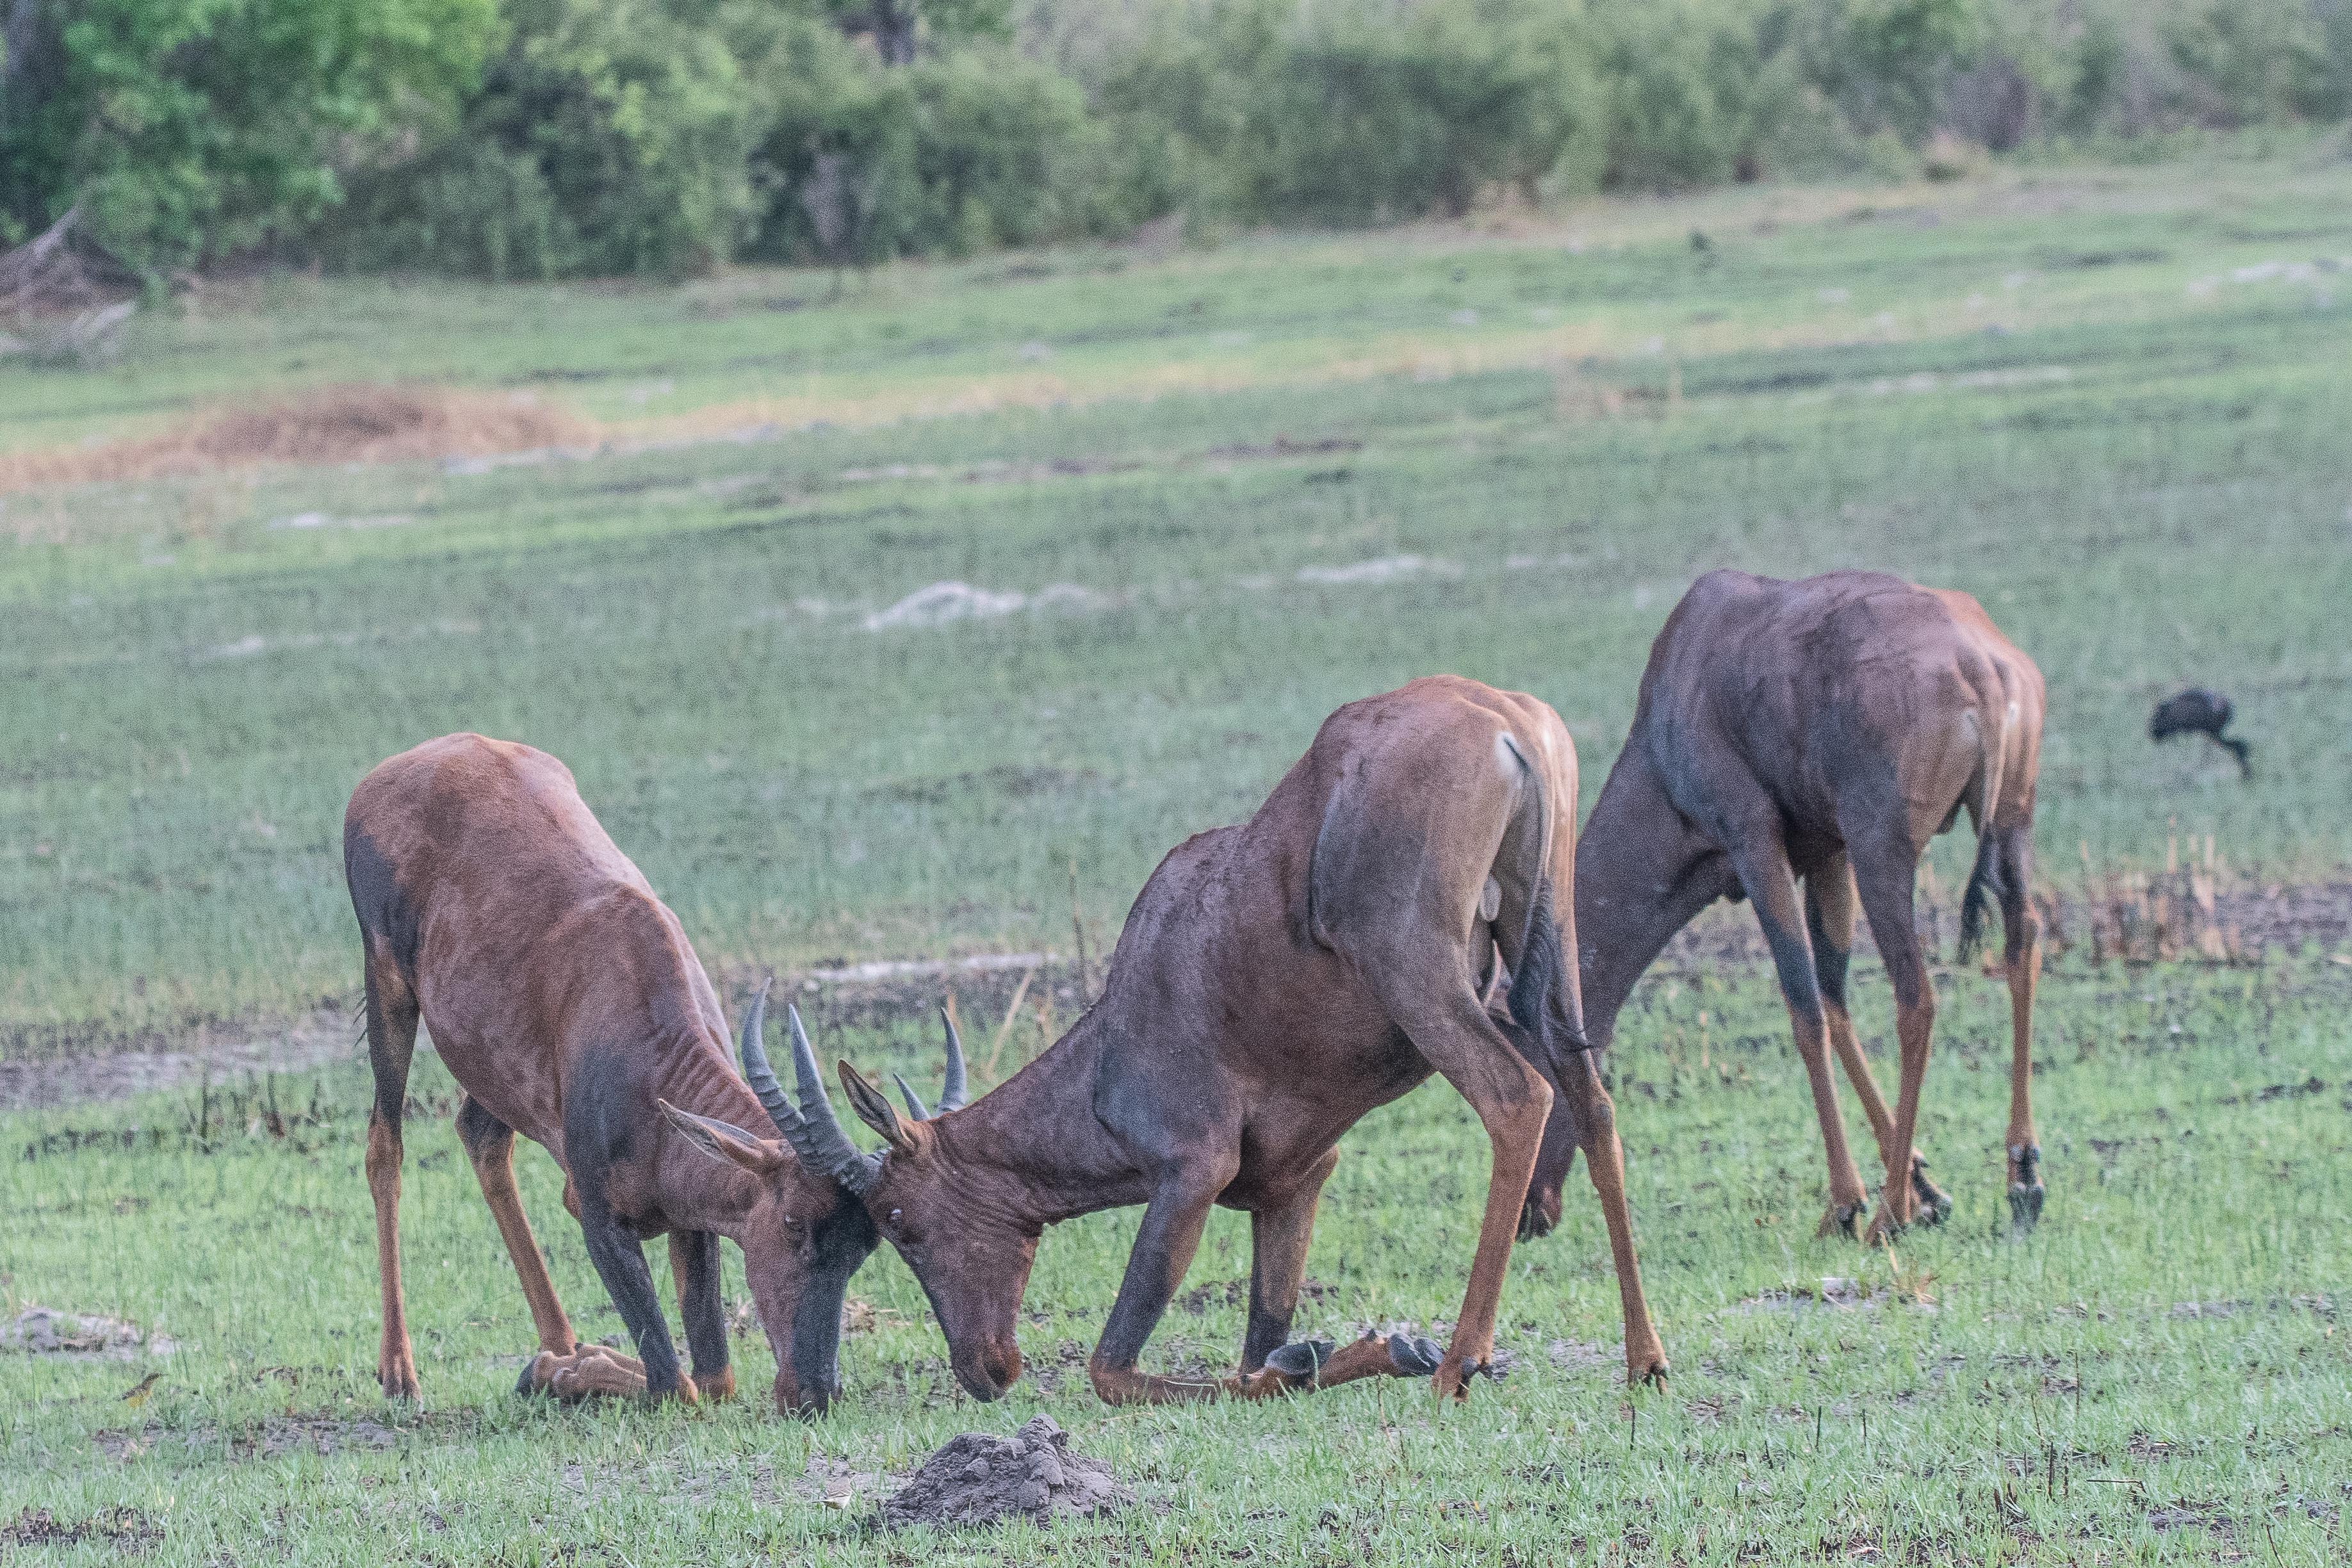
1164, 1245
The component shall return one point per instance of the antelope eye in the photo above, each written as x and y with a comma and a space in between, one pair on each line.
894, 1217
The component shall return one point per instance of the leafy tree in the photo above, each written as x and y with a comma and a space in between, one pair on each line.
973, 149
896, 27
608, 137
188, 128
2251, 60
1886, 62
1257, 110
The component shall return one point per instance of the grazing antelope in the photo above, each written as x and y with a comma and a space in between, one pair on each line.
1823, 730
563, 998
1275, 982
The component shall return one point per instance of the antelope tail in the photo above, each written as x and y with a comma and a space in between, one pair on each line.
1984, 877
1536, 963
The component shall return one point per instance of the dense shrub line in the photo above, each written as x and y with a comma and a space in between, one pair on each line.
550, 138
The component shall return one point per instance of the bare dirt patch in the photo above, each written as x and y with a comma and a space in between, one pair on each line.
79, 1336
126, 1528
1583, 1355
355, 423
272, 1437
979, 1479
1235, 1293
1833, 1293
49, 1075
2288, 918
2192, 1515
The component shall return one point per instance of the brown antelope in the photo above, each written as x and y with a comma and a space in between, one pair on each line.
1823, 730
1275, 982
563, 998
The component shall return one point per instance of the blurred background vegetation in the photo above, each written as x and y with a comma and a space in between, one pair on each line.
563, 138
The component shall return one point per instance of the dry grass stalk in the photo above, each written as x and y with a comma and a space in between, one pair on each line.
2143, 917
1004, 1030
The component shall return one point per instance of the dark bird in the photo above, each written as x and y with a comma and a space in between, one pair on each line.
2198, 711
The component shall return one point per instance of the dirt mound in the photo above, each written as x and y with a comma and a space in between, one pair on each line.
44, 1330
328, 424
978, 1479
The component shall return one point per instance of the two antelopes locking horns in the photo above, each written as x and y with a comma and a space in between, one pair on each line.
1413, 898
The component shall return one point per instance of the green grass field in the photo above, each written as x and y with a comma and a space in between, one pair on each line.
1197, 501
2033, 390
2158, 1375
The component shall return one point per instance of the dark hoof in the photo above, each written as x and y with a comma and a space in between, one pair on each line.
2025, 1207
1304, 1359
1935, 1202
528, 1384
1414, 1356
1845, 1219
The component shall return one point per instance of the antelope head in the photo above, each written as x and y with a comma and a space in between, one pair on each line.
805, 1238
971, 1256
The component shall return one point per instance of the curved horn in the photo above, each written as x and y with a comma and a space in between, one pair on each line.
760, 1076
830, 1150
952, 1094
913, 1104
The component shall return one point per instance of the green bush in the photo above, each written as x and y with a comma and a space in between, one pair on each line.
2246, 62
1005, 154
1885, 63
187, 128
556, 138
610, 136
859, 162
1251, 110
1695, 99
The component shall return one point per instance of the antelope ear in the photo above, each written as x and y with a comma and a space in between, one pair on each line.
723, 1141
874, 1109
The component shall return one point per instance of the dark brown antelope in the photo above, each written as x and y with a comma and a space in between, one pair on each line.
1821, 730
1275, 982
563, 998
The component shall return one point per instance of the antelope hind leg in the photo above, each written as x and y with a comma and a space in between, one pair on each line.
1306, 1364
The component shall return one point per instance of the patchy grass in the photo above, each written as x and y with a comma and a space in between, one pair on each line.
874, 615
852, 691
2157, 1374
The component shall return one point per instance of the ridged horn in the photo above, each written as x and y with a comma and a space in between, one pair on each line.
951, 1093
760, 1076
829, 1149
907, 1092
